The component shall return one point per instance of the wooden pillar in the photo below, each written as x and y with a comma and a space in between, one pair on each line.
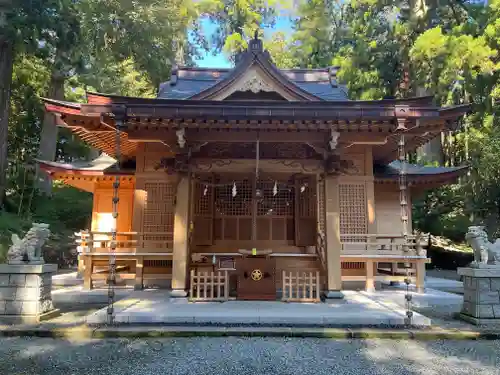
139, 273
420, 268
80, 265
333, 244
181, 227
370, 280
87, 276
140, 198
370, 207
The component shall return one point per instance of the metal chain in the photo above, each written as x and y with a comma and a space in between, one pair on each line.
403, 194
114, 230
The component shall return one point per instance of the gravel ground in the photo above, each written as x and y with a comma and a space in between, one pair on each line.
252, 356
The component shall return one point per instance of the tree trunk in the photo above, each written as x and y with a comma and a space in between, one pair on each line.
6, 63
48, 137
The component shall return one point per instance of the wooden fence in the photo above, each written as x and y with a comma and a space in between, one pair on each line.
209, 286
301, 286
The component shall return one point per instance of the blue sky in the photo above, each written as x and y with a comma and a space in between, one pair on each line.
283, 24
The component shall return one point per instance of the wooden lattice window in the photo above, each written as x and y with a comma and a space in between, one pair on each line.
203, 211
305, 215
275, 210
285, 210
353, 220
233, 214
321, 205
158, 216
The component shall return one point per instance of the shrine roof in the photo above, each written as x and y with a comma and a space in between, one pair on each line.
187, 82
103, 164
414, 172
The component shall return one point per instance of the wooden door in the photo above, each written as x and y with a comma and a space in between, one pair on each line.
256, 279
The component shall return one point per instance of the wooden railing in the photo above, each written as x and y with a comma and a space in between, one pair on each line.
301, 286
90, 242
382, 244
209, 286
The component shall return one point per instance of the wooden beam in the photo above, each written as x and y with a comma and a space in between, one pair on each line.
156, 133
152, 134
248, 165
252, 136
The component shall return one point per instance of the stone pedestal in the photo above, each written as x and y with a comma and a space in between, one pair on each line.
481, 295
25, 292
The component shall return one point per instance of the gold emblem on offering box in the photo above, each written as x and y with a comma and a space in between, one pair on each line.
257, 275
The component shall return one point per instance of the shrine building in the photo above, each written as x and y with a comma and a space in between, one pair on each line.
253, 183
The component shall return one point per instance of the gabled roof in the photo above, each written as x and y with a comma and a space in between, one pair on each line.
301, 84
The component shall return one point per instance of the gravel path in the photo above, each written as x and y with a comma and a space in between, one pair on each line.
242, 356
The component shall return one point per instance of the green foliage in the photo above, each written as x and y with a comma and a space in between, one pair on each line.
67, 211
280, 51
68, 208
150, 32
10, 224
30, 81
119, 78
237, 21
318, 30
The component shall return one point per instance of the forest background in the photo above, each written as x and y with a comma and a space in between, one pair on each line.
385, 49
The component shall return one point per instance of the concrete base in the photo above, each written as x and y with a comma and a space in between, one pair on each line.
29, 319
25, 291
481, 294
478, 321
334, 294
178, 293
357, 309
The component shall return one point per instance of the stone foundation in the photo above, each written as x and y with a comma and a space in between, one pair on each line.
481, 295
25, 292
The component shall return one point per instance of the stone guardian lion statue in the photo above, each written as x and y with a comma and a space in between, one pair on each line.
29, 248
485, 252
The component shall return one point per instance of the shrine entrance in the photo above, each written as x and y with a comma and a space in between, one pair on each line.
236, 211
247, 216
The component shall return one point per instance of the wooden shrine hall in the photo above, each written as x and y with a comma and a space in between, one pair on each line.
253, 183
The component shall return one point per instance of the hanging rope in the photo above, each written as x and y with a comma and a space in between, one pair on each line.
403, 193
114, 230
254, 194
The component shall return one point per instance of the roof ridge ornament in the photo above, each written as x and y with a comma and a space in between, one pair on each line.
255, 45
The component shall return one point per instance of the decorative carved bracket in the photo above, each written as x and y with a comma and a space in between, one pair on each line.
255, 84
177, 164
335, 165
